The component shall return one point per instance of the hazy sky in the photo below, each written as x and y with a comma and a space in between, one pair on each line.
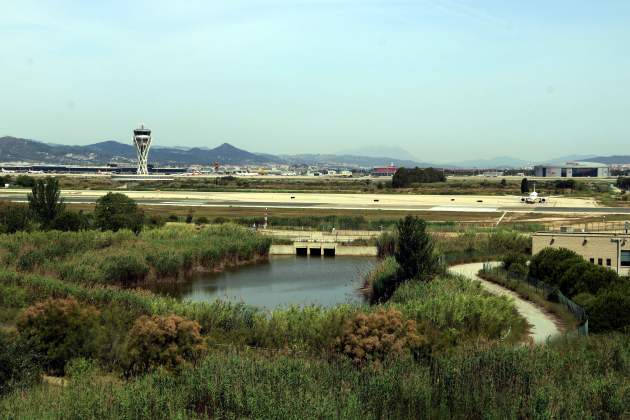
445, 79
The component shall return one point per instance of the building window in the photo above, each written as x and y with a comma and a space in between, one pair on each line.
608, 262
592, 260
625, 259
600, 261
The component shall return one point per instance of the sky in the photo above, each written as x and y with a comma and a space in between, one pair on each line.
445, 80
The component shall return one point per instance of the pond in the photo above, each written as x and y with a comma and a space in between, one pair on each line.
282, 281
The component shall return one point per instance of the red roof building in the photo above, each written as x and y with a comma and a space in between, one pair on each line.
384, 171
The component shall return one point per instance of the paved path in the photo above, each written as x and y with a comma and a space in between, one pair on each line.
542, 324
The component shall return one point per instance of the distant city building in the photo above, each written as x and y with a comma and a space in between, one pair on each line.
384, 170
573, 170
607, 249
142, 141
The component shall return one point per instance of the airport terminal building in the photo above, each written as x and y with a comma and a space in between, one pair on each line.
573, 170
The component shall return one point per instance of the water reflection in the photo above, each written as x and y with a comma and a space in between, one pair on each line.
281, 281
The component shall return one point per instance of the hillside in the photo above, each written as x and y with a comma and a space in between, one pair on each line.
14, 149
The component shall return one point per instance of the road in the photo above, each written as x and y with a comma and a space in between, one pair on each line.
332, 201
543, 325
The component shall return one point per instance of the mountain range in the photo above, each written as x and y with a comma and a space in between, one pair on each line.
13, 150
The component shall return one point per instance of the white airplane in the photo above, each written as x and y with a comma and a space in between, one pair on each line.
7, 171
33, 171
533, 198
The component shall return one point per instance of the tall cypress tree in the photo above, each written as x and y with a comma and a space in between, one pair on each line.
414, 253
524, 186
45, 201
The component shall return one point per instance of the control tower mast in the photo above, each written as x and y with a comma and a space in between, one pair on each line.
142, 141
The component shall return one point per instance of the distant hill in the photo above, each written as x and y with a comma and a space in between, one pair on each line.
393, 152
352, 160
14, 149
611, 160
497, 162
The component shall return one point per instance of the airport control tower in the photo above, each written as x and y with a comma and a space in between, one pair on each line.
142, 140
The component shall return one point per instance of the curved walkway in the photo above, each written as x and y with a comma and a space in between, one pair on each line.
542, 324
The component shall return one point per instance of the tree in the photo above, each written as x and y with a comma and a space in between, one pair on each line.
524, 186
414, 252
503, 183
405, 177
623, 183
116, 211
45, 200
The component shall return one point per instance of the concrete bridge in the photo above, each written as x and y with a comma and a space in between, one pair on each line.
321, 248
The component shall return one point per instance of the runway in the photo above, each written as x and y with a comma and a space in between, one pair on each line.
331, 201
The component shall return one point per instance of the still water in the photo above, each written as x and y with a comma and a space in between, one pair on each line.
282, 281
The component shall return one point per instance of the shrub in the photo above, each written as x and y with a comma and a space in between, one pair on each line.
382, 280
14, 218
166, 263
115, 211
170, 341
386, 244
155, 220
374, 337
172, 218
512, 258
203, 220
124, 269
25, 181
16, 365
69, 221
58, 330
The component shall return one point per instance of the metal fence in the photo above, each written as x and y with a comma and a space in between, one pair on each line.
603, 226
547, 291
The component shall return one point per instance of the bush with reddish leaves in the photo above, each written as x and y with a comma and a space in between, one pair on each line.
57, 330
377, 336
169, 341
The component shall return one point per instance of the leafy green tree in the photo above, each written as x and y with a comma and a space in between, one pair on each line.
414, 252
405, 177
115, 211
524, 186
610, 309
45, 200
